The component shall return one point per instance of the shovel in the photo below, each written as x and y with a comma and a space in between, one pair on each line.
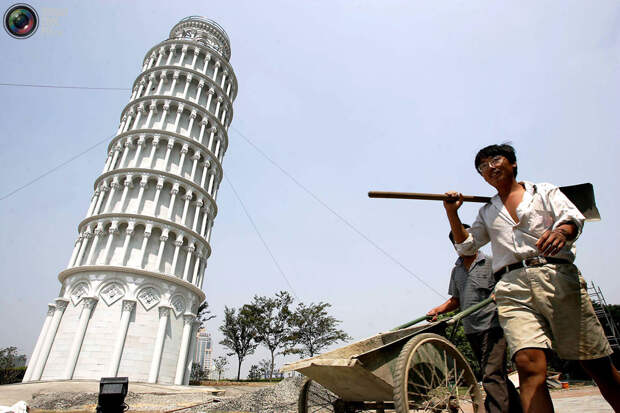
582, 196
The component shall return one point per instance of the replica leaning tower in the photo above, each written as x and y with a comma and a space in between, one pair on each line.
129, 296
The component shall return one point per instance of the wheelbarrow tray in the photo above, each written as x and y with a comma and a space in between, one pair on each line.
363, 370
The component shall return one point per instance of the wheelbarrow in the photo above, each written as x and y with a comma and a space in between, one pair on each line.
408, 369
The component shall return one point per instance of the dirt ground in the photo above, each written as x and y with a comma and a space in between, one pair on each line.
81, 396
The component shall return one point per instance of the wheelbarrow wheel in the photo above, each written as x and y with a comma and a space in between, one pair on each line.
315, 398
431, 375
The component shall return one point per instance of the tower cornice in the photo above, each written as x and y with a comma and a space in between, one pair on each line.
173, 135
144, 76
138, 219
134, 104
214, 53
157, 173
136, 271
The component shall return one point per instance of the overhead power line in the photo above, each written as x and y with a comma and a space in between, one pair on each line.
273, 258
63, 87
44, 174
336, 214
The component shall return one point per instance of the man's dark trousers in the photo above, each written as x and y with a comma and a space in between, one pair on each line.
490, 349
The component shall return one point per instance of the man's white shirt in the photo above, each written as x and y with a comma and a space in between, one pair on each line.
543, 207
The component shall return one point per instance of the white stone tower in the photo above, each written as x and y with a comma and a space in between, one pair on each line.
129, 295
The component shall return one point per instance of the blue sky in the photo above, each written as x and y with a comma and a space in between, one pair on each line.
346, 97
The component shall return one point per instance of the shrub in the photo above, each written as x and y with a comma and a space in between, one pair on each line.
12, 375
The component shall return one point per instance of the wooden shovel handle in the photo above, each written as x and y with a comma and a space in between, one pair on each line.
430, 197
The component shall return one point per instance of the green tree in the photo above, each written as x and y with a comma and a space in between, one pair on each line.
204, 313
239, 333
197, 374
9, 373
271, 318
265, 367
220, 364
7, 357
312, 330
254, 373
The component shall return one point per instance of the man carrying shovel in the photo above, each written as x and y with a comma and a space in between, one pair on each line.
540, 294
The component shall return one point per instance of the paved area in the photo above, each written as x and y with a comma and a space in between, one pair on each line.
585, 399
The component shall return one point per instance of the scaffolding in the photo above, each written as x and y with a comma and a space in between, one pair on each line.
604, 316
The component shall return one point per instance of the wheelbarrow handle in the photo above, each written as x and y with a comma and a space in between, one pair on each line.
452, 320
469, 310
410, 323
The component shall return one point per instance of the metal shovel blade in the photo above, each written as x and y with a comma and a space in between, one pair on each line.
582, 196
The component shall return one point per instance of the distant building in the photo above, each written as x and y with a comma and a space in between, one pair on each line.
204, 350
20, 361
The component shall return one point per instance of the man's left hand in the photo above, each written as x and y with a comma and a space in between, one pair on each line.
551, 242
432, 314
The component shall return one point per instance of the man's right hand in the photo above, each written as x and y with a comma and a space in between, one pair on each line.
454, 203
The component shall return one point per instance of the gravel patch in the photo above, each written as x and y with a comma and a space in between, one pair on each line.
280, 398
62, 401
71, 400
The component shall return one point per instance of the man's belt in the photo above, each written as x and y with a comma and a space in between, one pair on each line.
528, 262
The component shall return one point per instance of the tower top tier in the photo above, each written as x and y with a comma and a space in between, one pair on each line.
203, 31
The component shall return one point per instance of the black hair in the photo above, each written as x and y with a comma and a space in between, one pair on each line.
452, 236
504, 150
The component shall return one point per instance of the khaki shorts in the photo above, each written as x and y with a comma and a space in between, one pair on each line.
549, 307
